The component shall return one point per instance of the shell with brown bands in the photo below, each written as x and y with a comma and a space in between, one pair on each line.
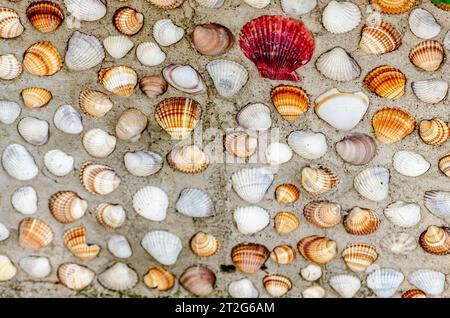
128, 21
287, 193
359, 256
434, 132
42, 59
392, 125
153, 86
36, 97
290, 101
67, 206
283, 254
75, 241
111, 216
10, 25
393, 6
386, 81
277, 285
98, 179
119, 80
414, 293
249, 257
198, 280
212, 39
187, 159
159, 278
379, 38
240, 144
286, 222
165, 4
318, 181
45, 16
317, 249
444, 165
435, 240
427, 55
323, 214
35, 233
94, 103
204, 245
361, 221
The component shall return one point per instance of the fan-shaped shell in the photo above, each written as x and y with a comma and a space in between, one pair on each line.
58, 162
359, 256
251, 184
341, 17
10, 25
298, 7
430, 91
399, 243
283, 254
36, 267
166, 33
357, 148
435, 240
345, 285
338, 65
323, 214
184, 78
434, 132
386, 81
240, 144
118, 277
410, 164
251, 219
228, 76
255, 117
42, 59
393, 6
119, 80
188, 159
143, 163
25, 200
118, 45
7, 269
98, 179
317, 249
67, 206
286, 222
423, 24
392, 125
414, 293
149, 54
278, 153
311, 272
151, 203
318, 181
159, 278
111, 216
83, 52
249, 257
75, 276
384, 282
444, 165
35, 233
277, 285
258, 4
290, 101
76, 242
68, 120
33, 130
438, 202
204, 245
19, 163
153, 86
287, 193
94, 103
195, 203
309, 145
128, 21
427, 55
403, 214
361, 221
130, 125
212, 39
99, 143
166, 4
162, 246
9, 112
212, 4
243, 288
36, 97
430, 281
379, 37
198, 280
10, 67
86, 10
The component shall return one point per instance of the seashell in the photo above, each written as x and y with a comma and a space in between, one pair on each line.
323, 214
341, 17
361, 221
33, 130
151, 203
149, 54
119, 247
83, 52
166, 4
251, 219
178, 116
277, 46
76, 242
278, 153
359, 256
446, 41
345, 285
373, 183
249, 257
212, 39
153, 86
438, 202
9, 112
118, 277
338, 65
251, 184
10, 67
379, 37
286, 222
444, 165
128, 21
228, 76
204, 245
195, 203
94, 103
314, 292
423, 24
198, 280
75, 276
67, 206
187, 159
429, 281
68, 120
35, 233
283, 254
258, 4
143, 163
298, 7
25, 200
318, 181
118, 45
386, 81
277, 285
36, 97
442, 4
392, 125
166, 33
435, 240
42, 59
287, 193
311, 272
111, 216
414, 293
393, 6
98, 179
36, 267
403, 214
410, 164
162, 246
58, 162
240, 144
86, 10
4, 232
430, 91
184, 78
19, 163
212, 4
341, 110
7, 268
399, 243
243, 288
290, 101
119, 80
434, 132
357, 148
159, 278
384, 282
317, 249
309, 145
427, 55
10, 25
132, 122
255, 117
98, 143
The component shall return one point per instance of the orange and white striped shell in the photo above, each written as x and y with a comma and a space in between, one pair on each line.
98, 179
290, 101
286, 222
35, 233
159, 278
434, 132
277, 285
187, 159
67, 206
323, 214
128, 21
75, 241
361, 221
379, 37
427, 55
318, 181
204, 245
386, 81
240, 144
166, 4
317, 249
94, 103
36, 97
45, 16
435, 240
249, 257
119, 80
359, 256
444, 165
283, 254
393, 6
392, 125
42, 59
111, 216
10, 25
287, 193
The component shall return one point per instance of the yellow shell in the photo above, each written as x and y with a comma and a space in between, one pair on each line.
290, 101
393, 6
42, 59
36, 97
444, 165
94, 103
317, 249
187, 159
158, 278
392, 125
35, 233
10, 26
204, 245
240, 144
323, 214
359, 256
317, 181
286, 222
249, 257
98, 179
361, 221
287, 193
277, 285
119, 80
434, 132
386, 81
45, 16
283, 254
67, 206
436, 240
128, 21
427, 55
379, 38
75, 241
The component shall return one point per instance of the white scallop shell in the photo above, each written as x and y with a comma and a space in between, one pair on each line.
258, 4
143, 163
118, 45
410, 164
35, 266
430, 91
278, 153
149, 54
251, 219
75, 276
438, 202
315, 291
7, 268
4, 232
99, 143
403, 214
341, 17
345, 285
309, 145
228, 76
10, 67
311, 272
119, 246
338, 65
162, 246
255, 117
118, 277
384, 282
243, 288
423, 24
86, 10
166, 33
373, 183
58, 162
151, 203
68, 120
25, 200
9, 111
33, 130
399, 243
298, 7
195, 203
19, 162
213, 4
431, 282
184, 78
83, 52
251, 184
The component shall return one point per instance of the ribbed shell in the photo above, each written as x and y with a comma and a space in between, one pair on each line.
254, 117
386, 81
317, 249
357, 148
198, 280
10, 25
10, 67
414, 293
98, 179
36, 97
287, 193
240, 144
403, 214
19, 163
277, 285
212, 39
435, 240
99, 143
204, 245
379, 38
345, 285
249, 257
359, 256
166, 4
323, 214
119, 80
423, 24
118, 277
9, 112
68, 120
361, 221
399, 243
76, 242
430, 91
392, 125
286, 222
128, 21
86, 10
118, 45
430, 281
162, 246
434, 132
166, 33
111, 216
283, 254
187, 159
75, 276
143, 163
341, 17
228, 76
393, 6
94, 103
318, 181
251, 184
427, 55
195, 203
290, 101
338, 65
83, 52
35, 233
42, 59
444, 164
384, 282
159, 278
67, 206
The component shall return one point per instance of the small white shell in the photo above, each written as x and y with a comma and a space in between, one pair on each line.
86, 10
423, 24
7, 269
252, 184
315, 291
438, 202
403, 214
213, 4
309, 145
149, 54
25, 200
278, 153
298, 7
429, 281
399, 243
36, 267
184, 78
430, 91
143, 163
58, 162
345, 285
4, 232
118, 45
373, 183
410, 164
341, 17
195, 203
118, 277
10, 67
258, 4
243, 288
83, 52
384, 282
119, 247
166, 33
9, 111
163, 246
251, 219
68, 120
228, 76
33, 130
255, 117
311, 272
19, 163
99, 143
151, 203
338, 65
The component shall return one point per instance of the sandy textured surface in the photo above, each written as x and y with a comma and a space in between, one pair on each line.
218, 115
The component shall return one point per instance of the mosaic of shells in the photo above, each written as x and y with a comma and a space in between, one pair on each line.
103, 93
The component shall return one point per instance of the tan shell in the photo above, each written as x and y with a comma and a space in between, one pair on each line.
35, 233
10, 67
414, 293
42, 59
119, 80
361, 221
94, 103
287, 193
75, 276
393, 6
187, 159
379, 38
434, 132
317, 249
204, 245
386, 81
240, 144
286, 222
10, 25
198, 280
128, 21
98, 179
132, 122
45, 16
317, 181
36, 97
392, 125
323, 214
67, 206
212, 39
283, 254
277, 285
359, 256
249, 257
153, 86
290, 101
444, 165
427, 55
108, 216
166, 4
435, 240
75, 241
158, 278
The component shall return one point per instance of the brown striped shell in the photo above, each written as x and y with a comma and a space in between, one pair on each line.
414, 293
359, 256
323, 214
75, 276
434, 132
444, 165
198, 280
277, 285
187, 159
249, 257
111, 216
318, 181
67, 206
361, 221
386, 81
98, 179
435, 240
94, 103
42, 59
393, 6
240, 144
427, 55
392, 125
119, 80
159, 278
153, 86
45, 16
287, 193
357, 148
286, 222
204, 245
165, 4
36, 97
379, 37
212, 39
75, 241
317, 249
128, 21
10, 25
283, 254
35, 233
290, 101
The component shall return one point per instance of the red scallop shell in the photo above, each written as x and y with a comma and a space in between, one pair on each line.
277, 45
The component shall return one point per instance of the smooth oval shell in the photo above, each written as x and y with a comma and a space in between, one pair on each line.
255, 117
287, 193
277, 285
243, 288
361, 221
9, 112
427, 55
25, 200
399, 243
153, 86
94, 103
75, 276
283, 254
410, 164
184, 78
393, 6
119, 246
10, 25
309, 145
76, 242
286, 222
392, 125
341, 17
359, 256
128, 21
323, 214
251, 184
228, 76
33, 130
317, 249
98, 179
130, 125
19, 163
10, 67
159, 278
149, 54
162, 246
249, 257
311, 272
119, 80
198, 280
438, 202
143, 163
83, 52
212, 39
99, 143
435, 240
187, 159
42, 59
384, 282
423, 24
111, 216
403, 214
251, 219
204, 245
240, 144
430, 91
67, 206
195, 203
386, 81
338, 65
7, 269
58, 162
68, 120
434, 132
318, 181
357, 148
36, 267
278, 153
298, 7
118, 277
151, 203
36, 97
290, 101
314, 291
166, 33
35, 234
379, 37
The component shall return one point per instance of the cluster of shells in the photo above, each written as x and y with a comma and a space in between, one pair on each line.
271, 49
